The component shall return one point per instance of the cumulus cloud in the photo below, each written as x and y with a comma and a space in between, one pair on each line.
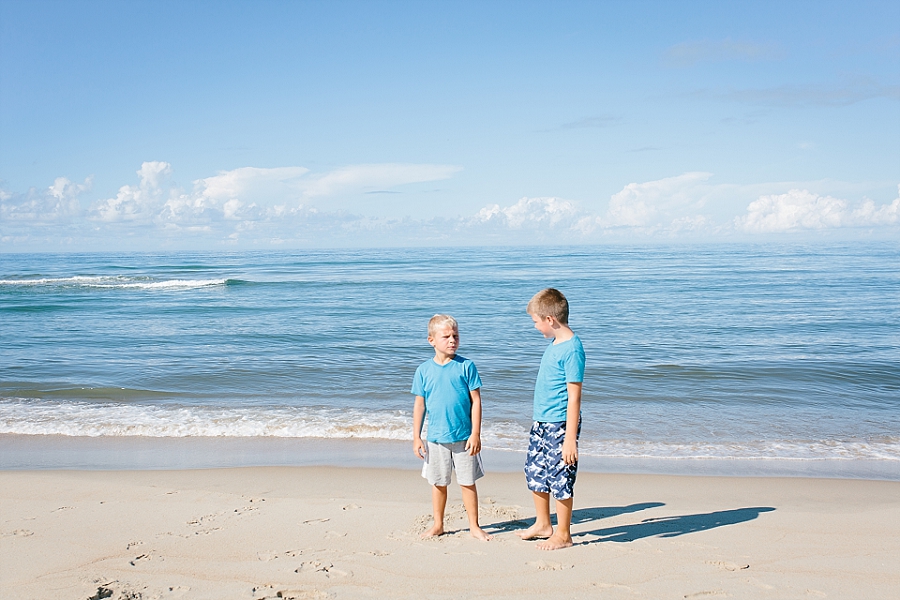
56, 203
268, 207
656, 202
530, 212
140, 202
248, 193
664, 205
801, 209
687, 54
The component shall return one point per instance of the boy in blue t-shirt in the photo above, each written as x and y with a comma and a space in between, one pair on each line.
448, 390
552, 460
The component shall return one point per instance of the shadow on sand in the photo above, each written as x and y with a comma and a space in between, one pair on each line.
579, 516
664, 527
672, 526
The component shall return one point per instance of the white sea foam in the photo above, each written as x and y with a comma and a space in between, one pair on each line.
113, 282
91, 419
116, 419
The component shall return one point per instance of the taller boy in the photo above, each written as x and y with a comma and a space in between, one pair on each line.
552, 459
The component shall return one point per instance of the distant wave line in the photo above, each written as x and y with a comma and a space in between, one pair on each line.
105, 282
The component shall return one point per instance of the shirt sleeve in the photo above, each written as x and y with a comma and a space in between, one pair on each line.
472, 378
574, 365
418, 386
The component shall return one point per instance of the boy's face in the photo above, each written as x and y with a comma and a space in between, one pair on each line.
445, 340
544, 325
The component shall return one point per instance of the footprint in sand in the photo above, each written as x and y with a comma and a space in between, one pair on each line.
544, 565
728, 566
330, 535
133, 544
18, 533
706, 593
267, 556
316, 566
489, 508
314, 521
301, 594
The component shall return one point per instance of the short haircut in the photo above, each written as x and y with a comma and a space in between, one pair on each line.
438, 321
549, 303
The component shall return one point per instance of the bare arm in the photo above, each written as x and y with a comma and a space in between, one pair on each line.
418, 421
573, 413
473, 445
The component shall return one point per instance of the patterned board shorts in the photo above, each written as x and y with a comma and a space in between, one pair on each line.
545, 470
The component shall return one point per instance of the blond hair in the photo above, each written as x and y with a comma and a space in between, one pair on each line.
549, 303
438, 321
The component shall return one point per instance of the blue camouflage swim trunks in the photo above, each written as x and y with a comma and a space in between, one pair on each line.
545, 470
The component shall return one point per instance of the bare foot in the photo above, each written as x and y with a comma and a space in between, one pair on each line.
480, 534
435, 531
536, 532
555, 543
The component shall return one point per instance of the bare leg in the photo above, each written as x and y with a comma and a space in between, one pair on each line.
470, 501
542, 527
438, 504
563, 536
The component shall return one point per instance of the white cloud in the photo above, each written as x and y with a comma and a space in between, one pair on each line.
529, 212
56, 203
378, 176
671, 205
248, 193
136, 203
251, 206
656, 202
802, 209
250, 181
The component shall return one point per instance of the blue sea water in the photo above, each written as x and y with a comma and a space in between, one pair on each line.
730, 352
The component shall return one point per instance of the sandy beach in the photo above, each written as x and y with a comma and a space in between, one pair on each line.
319, 532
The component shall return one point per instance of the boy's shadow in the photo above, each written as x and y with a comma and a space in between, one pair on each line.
673, 526
656, 527
579, 515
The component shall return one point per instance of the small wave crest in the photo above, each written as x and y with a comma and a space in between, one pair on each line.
41, 417
117, 282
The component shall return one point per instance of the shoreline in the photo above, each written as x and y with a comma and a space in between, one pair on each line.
326, 532
49, 452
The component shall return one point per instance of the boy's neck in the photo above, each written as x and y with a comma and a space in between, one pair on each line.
442, 359
562, 334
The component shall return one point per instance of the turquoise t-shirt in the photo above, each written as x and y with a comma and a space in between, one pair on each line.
562, 363
447, 402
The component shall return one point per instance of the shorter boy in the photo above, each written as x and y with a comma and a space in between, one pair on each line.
448, 390
552, 460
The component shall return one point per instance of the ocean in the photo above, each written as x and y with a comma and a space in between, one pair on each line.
744, 359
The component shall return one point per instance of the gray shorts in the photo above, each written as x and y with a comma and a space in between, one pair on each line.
442, 459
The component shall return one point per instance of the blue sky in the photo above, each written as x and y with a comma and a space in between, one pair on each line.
231, 125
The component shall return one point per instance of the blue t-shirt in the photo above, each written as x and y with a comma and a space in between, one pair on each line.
447, 402
562, 363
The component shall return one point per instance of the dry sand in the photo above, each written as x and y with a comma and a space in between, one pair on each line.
310, 532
